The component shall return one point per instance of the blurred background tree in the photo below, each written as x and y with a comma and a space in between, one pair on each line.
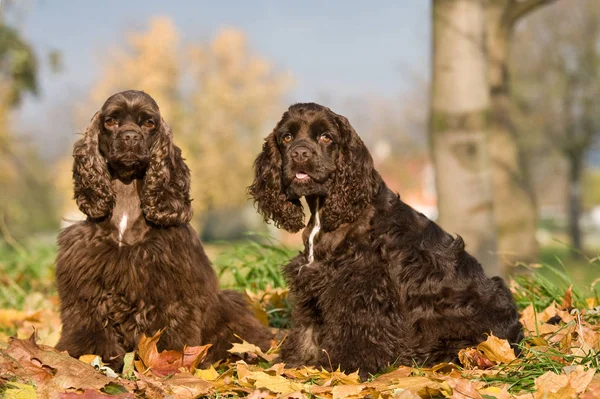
515, 210
26, 204
557, 74
233, 96
459, 105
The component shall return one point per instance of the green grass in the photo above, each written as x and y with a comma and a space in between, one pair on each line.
25, 270
253, 264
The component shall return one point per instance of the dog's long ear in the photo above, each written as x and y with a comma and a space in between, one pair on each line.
355, 182
166, 193
267, 189
93, 192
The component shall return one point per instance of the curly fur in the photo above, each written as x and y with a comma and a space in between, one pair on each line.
268, 193
93, 192
166, 196
384, 285
136, 265
355, 181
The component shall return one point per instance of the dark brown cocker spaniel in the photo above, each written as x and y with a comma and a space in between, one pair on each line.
377, 283
135, 265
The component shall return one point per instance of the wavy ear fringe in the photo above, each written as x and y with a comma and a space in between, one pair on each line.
93, 191
355, 182
166, 193
267, 191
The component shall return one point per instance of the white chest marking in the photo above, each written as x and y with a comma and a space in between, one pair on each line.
122, 227
313, 234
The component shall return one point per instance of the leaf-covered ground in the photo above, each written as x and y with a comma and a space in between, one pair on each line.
558, 359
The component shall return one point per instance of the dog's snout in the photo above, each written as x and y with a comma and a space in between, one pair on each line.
301, 154
131, 137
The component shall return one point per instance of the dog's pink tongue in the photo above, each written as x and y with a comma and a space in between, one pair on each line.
301, 176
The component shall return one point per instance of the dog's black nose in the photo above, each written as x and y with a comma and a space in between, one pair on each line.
301, 154
131, 137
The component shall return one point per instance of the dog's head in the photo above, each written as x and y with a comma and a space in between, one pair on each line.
127, 139
313, 152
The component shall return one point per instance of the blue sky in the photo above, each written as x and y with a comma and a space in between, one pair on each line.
335, 50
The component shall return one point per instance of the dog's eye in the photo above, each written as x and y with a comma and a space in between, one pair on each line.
111, 122
149, 124
286, 138
324, 138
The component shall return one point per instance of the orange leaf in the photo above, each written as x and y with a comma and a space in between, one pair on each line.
472, 358
167, 362
497, 350
567, 302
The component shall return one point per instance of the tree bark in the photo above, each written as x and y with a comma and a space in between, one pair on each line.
460, 105
574, 201
514, 204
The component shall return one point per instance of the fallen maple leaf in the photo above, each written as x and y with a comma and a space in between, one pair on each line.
167, 362
343, 391
52, 371
497, 350
246, 347
274, 383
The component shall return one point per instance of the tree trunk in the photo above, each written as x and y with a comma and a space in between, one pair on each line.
574, 201
514, 205
460, 102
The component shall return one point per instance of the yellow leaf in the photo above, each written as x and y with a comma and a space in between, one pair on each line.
209, 374
88, 359
16, 390
277, 383
343, 391
497, 350
591, 302
246, 347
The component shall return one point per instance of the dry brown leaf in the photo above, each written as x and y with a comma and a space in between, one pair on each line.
94, 394
400, 393
274, 383
344, 391
567, 302
464, 389
472, 358
185, 385
246, 347
497, 350
258, 305
558, 386
593, 390
534, 323
52, 371
167, 362
384, 380
276, 369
